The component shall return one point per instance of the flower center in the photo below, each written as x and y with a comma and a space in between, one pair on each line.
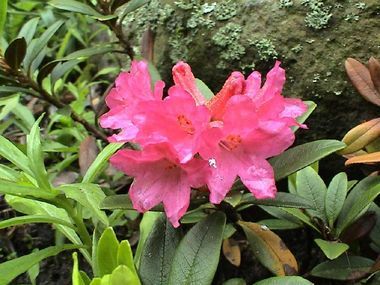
186, 124
231, 142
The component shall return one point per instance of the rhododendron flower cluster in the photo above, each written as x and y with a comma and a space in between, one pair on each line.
188, 142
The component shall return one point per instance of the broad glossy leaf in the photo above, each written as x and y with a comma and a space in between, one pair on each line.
344, 268
360, 136
37, 45
282, 199
197, 256
11, 269
76, 6
89, 196
331, 249
158, 252
35, 156
15, 53
269, 249
3, 15
204, 89
108, 246
358, 208
361, 79
335, 196
123, 275
374, 70
285, 280
32, 219
115, 202
277, 224
235, 281
311, 186
373, 157
28, 30
301, 216
125, 256
360, 228
303, 155
100, 162
357, 192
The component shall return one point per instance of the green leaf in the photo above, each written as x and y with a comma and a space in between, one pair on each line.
335, 196
15, 53
303, 155
11, 269
158, 253
61, 69
78, 7
331, 249
277, 224
35, 156
282, 199
131, 6
3, 15
311, 186
285, 280
14, 89
116, 202
197, 256
87, 52
76, 276
125, 256
343, 268
301, 119
146, 226
89, 196
12, 188
235, 281
28, 30
108, 246
358, 208
123, 275
8, 173
100, 162
37, 45
203, 88
32, 219
301, 216
269, 249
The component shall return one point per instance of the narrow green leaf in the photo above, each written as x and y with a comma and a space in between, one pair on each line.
331, 249
8, 173
76, 278
28, 30
277, 224
311, 186
203, 88
335, 196
87, 52
282, 199
11, 269
125, 256
78, 7
99, 163
130, 7
15, 53
158, 253
197, 256
116, 202
12, 188
301, 216
303, 155
359, 208
108, 246
35, 156
284, 280
89, 196
37, 45
13, 89
32, 219
61, 69
3, 15
343, 268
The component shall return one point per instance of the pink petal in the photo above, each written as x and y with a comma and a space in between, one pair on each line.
253, 85
183, 77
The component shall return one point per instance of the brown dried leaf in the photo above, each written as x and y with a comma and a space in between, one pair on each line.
374, 70
66, 177
88, 151
231, 251
373, 157
270, 249
361, 79
360, 136
147, 44
360, 228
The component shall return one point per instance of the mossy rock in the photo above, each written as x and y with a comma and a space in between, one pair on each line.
312, 38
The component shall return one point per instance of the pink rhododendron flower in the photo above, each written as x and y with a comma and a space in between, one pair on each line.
160, 177
187, 142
